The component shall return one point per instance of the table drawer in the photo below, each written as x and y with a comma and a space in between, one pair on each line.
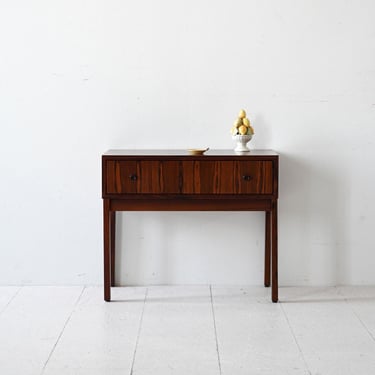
143, 177
228, 177
189, 177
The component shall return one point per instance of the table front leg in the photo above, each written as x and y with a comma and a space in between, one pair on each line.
113, 242
274, 291
267, 251
106, 250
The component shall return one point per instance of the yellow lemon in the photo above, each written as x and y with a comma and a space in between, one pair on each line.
242, 114
238, 122
246, 121
242, 129
251, 129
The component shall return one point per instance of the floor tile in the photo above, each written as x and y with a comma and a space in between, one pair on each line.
330, 335
177, 335
100, 337
31, 325
341, 364
253, 334
361, 300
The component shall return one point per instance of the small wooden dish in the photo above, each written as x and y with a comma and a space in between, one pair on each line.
197, 151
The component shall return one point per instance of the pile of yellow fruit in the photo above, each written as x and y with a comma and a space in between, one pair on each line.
242, 125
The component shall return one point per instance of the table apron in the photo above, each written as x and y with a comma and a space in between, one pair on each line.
190, 205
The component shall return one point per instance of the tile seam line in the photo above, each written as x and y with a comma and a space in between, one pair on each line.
215, 330
11, 300
62, 331
357, 316
362, 323
139, 332
295, 339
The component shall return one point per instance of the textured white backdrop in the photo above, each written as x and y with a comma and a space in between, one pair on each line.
79, 77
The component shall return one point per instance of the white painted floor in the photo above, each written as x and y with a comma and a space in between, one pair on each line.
187, 330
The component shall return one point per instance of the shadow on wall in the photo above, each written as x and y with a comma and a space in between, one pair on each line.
312, 231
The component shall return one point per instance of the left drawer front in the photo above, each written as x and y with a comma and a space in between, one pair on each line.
145, 177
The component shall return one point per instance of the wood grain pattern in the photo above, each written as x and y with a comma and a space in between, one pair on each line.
189, 177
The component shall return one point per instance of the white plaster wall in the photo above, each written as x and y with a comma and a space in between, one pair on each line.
79, 77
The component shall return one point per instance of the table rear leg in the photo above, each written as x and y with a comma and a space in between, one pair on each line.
274, 291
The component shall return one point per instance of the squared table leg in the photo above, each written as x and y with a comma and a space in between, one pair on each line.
274, 291
106, 250
112, 244
267, 251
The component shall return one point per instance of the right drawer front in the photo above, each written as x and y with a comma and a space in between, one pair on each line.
228, 177
254, 177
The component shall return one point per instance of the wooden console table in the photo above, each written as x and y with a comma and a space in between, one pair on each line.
173, 180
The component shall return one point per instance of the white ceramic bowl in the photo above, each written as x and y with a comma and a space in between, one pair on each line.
241, 141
